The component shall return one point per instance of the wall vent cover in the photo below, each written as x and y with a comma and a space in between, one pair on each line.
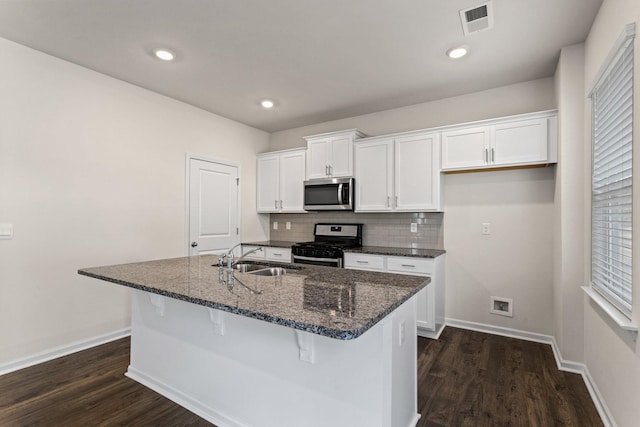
476, 19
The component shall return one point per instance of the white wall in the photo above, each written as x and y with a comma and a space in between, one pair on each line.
516, 260
612, 356
519, 98
92, 173
570, 200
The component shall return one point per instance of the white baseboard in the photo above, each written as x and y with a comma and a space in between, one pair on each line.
65, 350
598, 400
434, 335
563, 365
205, 411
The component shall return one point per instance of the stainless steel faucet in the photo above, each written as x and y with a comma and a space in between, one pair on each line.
229, 257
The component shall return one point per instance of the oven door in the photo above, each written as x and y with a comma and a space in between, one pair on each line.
327, 262
328, 194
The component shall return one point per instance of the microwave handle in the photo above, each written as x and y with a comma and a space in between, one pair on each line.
340, 194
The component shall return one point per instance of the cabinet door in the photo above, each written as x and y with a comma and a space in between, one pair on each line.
374, 176
417, 173
254, 255
267, 187
292, 167
318, 158
465, 148
520, 142
278, 254
356, 261
341, 163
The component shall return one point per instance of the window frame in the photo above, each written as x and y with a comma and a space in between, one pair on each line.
611, 242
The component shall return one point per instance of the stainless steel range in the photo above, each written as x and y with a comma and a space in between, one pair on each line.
328, 245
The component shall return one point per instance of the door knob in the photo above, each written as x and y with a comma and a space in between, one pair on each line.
194, 244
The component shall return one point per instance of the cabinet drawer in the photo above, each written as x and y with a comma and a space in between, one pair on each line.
364, 262
278, 254
254, 255
409, 265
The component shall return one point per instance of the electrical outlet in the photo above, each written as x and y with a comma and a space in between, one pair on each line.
275, 225
501, 306
403, 332
6, 231
414, 227
288, 225
486, 228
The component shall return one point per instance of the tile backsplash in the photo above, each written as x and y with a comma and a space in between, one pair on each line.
380, 229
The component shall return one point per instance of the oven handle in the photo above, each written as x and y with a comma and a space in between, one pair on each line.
308, 258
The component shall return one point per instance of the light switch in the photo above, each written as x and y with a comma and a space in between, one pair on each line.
6, 231
486, 228
288, 225
275, 225
414, 227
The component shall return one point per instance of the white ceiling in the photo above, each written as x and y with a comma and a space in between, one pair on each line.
318, 60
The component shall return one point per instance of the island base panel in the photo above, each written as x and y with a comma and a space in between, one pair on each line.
237, 371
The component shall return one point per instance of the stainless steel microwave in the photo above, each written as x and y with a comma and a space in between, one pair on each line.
331, 194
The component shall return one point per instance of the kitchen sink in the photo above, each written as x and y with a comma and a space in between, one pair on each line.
272, 271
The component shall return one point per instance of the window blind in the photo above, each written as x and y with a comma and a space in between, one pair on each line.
612, 175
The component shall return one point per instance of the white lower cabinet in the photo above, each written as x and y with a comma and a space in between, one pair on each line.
278, 254
430, 319
268, 253
259, 255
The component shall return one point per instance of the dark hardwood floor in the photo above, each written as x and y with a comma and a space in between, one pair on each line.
464, 379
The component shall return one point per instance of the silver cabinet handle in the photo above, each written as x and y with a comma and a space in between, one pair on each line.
486, 155
493, 155
362, 262
408, 265
330, 170
326, 170
388, 201
276, 254
280, 204
396, 201
275, 204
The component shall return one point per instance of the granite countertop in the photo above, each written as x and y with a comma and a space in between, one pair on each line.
410, 252
272, 243
333, 302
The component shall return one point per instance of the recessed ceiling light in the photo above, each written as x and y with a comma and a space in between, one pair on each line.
164, 54
267, 103
457, 52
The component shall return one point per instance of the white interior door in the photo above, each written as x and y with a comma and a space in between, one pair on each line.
213, 207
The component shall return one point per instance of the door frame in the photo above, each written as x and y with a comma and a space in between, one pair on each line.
187, 171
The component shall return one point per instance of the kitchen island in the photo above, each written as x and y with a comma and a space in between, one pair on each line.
317, 346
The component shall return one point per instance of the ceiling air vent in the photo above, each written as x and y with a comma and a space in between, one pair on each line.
476, 19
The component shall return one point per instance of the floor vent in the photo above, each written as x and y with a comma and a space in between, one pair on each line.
476, 19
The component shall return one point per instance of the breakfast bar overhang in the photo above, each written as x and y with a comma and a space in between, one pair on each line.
314, 347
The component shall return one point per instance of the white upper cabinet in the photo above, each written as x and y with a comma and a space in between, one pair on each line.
280, 181
518, 142
398, 174
528, 139
374, 176
330, 155
268, 183
417, 173
466, 148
